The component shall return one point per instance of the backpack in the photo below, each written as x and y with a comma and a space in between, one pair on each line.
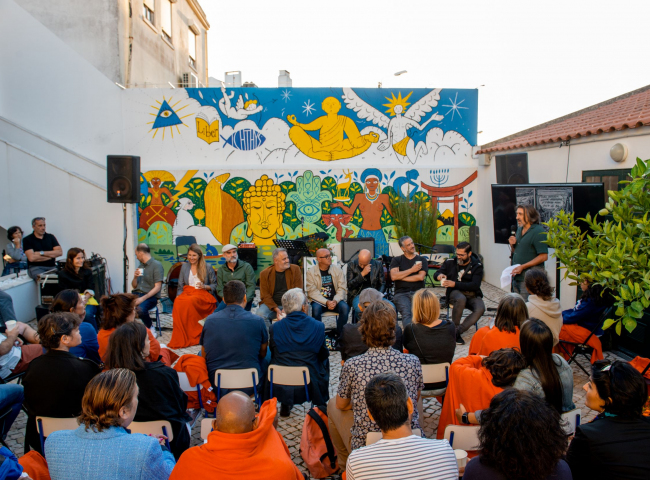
316, 448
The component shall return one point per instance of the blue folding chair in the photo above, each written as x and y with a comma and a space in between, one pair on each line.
236, 379
289, 376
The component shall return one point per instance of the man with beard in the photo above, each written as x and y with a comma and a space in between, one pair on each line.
235, 269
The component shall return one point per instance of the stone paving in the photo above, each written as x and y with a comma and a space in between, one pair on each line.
291, 427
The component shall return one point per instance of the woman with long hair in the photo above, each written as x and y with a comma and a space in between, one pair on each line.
197, 285
75, 276
15, 257
511, 314
429, 338
161, 397
541, 303
72, 301
102, 448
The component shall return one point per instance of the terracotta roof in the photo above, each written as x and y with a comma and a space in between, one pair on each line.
630, 110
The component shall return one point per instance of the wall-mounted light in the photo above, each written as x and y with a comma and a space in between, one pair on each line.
618, 152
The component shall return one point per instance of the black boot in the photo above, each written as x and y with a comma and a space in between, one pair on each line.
459, 339
285, 409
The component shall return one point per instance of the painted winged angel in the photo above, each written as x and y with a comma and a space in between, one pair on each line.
397, 126
241, 110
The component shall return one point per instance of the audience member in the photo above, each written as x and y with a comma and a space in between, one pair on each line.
275, 280
616, 443
581, 320
528, 247
14, 252
76, 276
473, 381
234, 338
462, 276
235, 269
242, 445
511, 314
429, 338
348, 416
6, 308
520, 437
326, 289
71, 301
55, 382
408, 271
15, 356
41, 249
11, 396
299, 340
363, 272
101, 448
350, 342
147, 282
541, 304
197, 284
390, 407
160, 396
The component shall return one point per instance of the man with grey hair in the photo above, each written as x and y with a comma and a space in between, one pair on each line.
299, 340
147, 283
235, 269
41, 249
408, 271
327, 289
275, 280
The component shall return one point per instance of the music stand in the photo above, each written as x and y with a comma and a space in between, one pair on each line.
297, 246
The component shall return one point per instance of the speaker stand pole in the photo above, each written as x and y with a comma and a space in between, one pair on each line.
125, 259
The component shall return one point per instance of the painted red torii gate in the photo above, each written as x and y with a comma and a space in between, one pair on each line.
453, 191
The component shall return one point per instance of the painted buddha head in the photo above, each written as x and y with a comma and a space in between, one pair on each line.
264, 205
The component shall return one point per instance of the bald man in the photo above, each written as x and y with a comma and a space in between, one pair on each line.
327, 289
242, 445
363, 272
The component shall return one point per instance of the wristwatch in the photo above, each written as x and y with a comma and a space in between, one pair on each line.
465, 418
42, 253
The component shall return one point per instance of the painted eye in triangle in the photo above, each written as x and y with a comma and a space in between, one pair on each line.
166, 113
166, 116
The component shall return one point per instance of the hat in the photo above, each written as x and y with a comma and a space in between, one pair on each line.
228, 246
370, 295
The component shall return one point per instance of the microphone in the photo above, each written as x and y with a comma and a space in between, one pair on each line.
513, 230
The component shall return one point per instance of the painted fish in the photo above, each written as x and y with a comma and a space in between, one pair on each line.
245, 139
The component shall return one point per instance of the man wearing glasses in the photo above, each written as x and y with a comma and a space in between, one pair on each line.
327, 289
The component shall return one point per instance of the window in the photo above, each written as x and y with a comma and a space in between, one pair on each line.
512, 169
191, 42
609, 178
166, 20
149, 11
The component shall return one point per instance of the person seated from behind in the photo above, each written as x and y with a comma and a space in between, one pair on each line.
234, 338
15, 356
390, 407
363, 272
521, 436
147, 282
197, 284
429, 338
41, 248
615, 444
241, 445
462, 276
350, 342
160, 395
71, 301
541, 303
511, 314
11, 396
275, 280
235, 269
55, 382
299, 340
102, 448
75, 276
15, 257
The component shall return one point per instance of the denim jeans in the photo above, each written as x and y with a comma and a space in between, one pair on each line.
11, 395
519, 287
341, 308
460, 302
403, 305
91, 316
143, 309
267, 314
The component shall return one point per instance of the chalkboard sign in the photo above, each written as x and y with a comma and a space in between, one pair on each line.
547, 198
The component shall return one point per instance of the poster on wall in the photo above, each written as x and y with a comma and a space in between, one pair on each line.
551, 201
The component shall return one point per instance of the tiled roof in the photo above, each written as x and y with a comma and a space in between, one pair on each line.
631, 110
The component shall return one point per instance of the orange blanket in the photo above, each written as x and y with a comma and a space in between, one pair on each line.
168, 357
640, 363
577, 334
261, 453
35, 466
470, 384
190, 307
197, 373
486, 340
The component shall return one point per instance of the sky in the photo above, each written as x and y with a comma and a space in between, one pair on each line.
531, 61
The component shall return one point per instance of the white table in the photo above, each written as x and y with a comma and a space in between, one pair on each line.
24, 293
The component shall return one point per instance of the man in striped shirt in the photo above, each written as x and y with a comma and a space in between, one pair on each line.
399, 455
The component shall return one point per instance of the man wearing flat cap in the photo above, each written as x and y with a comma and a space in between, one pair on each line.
235, 269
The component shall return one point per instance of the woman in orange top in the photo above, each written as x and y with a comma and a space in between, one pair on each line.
511, 314
197, 284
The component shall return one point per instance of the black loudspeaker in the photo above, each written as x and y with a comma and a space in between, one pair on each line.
475, 239
123, 179
350, 246
249, 255
512, 169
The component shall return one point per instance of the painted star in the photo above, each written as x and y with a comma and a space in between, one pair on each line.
286, 95
308, 107
455, 107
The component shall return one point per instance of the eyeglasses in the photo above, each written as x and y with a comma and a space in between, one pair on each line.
326, 256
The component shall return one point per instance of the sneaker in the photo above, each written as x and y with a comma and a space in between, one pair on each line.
285, 409
459, 339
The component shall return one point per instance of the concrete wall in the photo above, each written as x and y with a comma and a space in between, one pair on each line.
554, 165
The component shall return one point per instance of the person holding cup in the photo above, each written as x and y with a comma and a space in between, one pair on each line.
197, 284
15, 355
147, 282
408, 271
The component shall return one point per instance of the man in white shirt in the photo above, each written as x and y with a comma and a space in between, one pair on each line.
399, 454
14, 355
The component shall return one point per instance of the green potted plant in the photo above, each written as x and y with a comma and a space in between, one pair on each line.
415, 218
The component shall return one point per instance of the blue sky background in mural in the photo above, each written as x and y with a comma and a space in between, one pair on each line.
459, 106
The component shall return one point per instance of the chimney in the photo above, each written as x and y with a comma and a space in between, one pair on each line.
284, 79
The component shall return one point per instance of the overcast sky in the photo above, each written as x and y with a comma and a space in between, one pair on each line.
537, 60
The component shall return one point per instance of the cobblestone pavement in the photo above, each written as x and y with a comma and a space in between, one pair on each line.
291, 427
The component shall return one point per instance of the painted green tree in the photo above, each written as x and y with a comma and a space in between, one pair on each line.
235, 187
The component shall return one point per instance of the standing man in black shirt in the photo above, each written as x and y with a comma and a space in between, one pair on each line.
41, 249
327, 289
408, 271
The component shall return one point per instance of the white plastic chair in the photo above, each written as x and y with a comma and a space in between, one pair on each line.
571, 421
374, 437
289, 376
155, 427
206, 428
185, 385
48, 425
433, 373
463, 437
235, 379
